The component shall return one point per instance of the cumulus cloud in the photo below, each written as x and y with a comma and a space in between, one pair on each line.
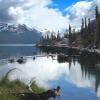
33, 13
36, 13
96, 2
47, 18
15, 11
78, 11
81, 9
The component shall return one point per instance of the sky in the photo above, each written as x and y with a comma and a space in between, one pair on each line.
50, 15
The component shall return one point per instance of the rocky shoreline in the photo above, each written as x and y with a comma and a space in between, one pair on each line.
80, 50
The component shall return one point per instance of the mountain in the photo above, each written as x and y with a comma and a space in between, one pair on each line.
18, 34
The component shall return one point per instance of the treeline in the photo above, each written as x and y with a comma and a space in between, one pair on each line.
50, 38
87, 37
90, 31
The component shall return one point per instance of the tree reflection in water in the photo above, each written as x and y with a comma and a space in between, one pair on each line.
79, 70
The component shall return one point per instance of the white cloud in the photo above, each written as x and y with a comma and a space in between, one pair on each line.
15, 11
43, 17
29, 3
97, 2
78, 11
37, 14
81, 9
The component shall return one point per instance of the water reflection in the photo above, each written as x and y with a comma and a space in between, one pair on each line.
42, 69
73, 73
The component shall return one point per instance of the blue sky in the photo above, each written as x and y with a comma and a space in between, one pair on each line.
62, 4
52, 15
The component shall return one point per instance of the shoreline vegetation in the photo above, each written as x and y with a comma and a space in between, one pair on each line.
64, 46
85, 39
9, 89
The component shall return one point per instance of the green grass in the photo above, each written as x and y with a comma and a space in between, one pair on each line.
9, 88
7, 97
37, 89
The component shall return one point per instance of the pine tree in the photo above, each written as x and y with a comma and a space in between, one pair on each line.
96, 12
70, 31
90, 32
97, 31
82, 26
66, 34
47, 37
53, 37
70, 35
89, 26
58, 36
85, 23
84, 32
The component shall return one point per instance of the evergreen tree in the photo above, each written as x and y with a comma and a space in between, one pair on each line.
82, 26
89, 26
47, 37
84, 33
70, 31
85, 23
70, 35
53, 37
97, 31
96, 12
66, 34
97, 39
58, 36
90, 32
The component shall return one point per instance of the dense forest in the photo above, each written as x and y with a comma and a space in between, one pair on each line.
87, 37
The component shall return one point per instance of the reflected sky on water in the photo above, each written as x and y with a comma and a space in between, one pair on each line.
76, 83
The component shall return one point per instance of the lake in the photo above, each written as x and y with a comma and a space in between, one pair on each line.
77, 75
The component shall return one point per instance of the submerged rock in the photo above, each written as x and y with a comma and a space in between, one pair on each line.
21, 60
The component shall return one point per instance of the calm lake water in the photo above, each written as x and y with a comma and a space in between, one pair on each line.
78, 75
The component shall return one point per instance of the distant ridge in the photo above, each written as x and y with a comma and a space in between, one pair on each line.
19, 34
